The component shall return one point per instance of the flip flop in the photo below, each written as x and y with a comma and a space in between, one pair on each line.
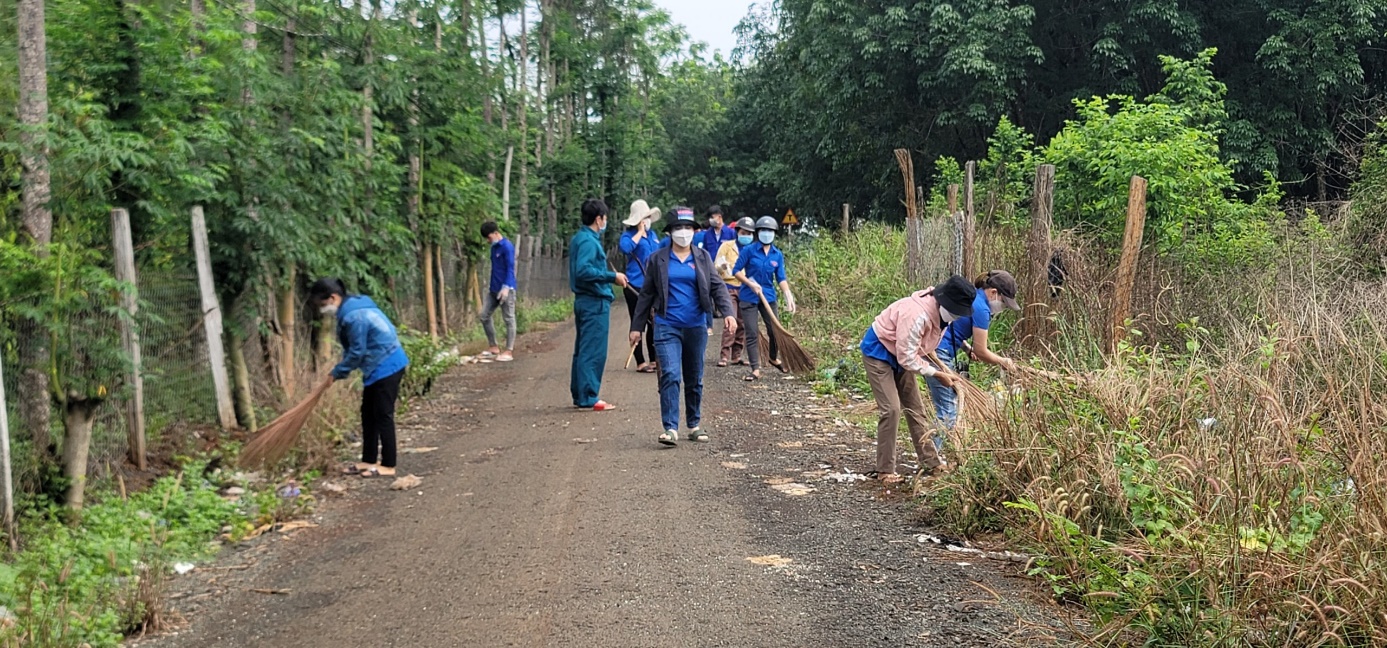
351, 469
722, 363
781, 366
603, 406
669, 438
752, 377
370, 472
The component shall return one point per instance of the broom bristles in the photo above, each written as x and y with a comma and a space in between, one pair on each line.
278, 437
792, 355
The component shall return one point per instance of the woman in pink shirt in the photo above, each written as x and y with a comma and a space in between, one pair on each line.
895, 350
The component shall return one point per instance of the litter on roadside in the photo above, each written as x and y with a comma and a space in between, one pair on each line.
418, 450
772, 560
183, 568
405, 483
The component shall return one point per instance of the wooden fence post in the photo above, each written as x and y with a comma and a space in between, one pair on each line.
970, 257
955, 219
1127, 266
1035, 319
914, 270
5, 459
212, 321
430, 310
124, 249
847, 218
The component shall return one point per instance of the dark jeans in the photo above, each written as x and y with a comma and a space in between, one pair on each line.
680, 352
378, 419
752, 312
649, 334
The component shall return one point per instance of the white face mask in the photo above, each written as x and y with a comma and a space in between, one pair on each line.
766, 237
682, 237
945, 315
330, 309
996, 305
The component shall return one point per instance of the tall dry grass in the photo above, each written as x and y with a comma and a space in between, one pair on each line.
1219, 482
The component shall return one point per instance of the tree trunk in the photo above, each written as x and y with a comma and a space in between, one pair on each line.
368, 122
521, 116
78, 415
287, 331
430, 310
36, 217
240, 381
505, 185
442, 289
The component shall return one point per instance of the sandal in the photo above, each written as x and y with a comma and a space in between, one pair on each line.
646, 368
697, 434
722, 363
753, 376
780, 364
890, 478
353, 469
370, 472
669, 438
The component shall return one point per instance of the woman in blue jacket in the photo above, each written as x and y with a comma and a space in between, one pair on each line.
371, 344
638, 241
681, 291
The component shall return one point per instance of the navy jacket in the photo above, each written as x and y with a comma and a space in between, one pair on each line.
712, 292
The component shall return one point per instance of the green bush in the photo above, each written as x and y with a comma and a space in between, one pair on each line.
90, 583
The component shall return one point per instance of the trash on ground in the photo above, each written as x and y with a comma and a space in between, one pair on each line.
845, 477
262, 590
793, 489
790, 444
418, 450
772, 560
290, 490
332, 487
735, 465
295, 525
183, 568
777, 481
585, 440
405, 483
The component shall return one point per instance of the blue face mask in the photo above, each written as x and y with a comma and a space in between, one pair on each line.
766, 237
603, 228
743, 240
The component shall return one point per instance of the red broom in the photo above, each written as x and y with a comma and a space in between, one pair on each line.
278, 437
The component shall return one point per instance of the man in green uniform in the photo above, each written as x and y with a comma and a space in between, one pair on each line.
591, 280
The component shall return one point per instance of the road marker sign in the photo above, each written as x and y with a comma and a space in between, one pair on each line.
790, 218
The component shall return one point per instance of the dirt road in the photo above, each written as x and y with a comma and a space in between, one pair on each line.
539, 525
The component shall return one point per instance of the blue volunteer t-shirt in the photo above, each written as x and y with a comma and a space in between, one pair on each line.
765, 268
502, 265
682, 309
961, 329
873, 348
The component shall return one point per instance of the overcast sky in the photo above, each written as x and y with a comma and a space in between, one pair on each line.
710, 21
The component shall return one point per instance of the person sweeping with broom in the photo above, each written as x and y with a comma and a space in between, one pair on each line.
894, 350
681, 291
996, 291
760, 268
371, 344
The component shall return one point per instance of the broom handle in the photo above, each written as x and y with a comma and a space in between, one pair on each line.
631, 355
770, 311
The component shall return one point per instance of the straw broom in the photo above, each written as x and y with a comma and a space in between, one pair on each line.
792, 355
975, 404
276, 439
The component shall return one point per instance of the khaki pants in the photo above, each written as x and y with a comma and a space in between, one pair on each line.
896, 394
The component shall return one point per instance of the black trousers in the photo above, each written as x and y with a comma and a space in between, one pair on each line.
648, 337
378, 419
752, 313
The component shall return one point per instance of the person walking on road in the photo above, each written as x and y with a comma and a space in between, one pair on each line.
591, 281
681, 291
894, 350
371, 344
996, 291
501, 293
761, 267
734, 342
712, 238
637, 243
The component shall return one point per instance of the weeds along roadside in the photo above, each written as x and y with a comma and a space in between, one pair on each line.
1217, 482
101, 578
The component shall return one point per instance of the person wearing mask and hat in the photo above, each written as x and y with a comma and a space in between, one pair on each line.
712, 238
761, 267
681, 290
637, 243
894, 350
370, 344
996, 290
590, 279
734, 342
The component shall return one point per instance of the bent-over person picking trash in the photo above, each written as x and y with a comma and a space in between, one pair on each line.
894, 351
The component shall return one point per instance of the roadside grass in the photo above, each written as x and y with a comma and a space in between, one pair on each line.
1217, 482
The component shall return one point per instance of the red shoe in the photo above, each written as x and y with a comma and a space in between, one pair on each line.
603, 406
